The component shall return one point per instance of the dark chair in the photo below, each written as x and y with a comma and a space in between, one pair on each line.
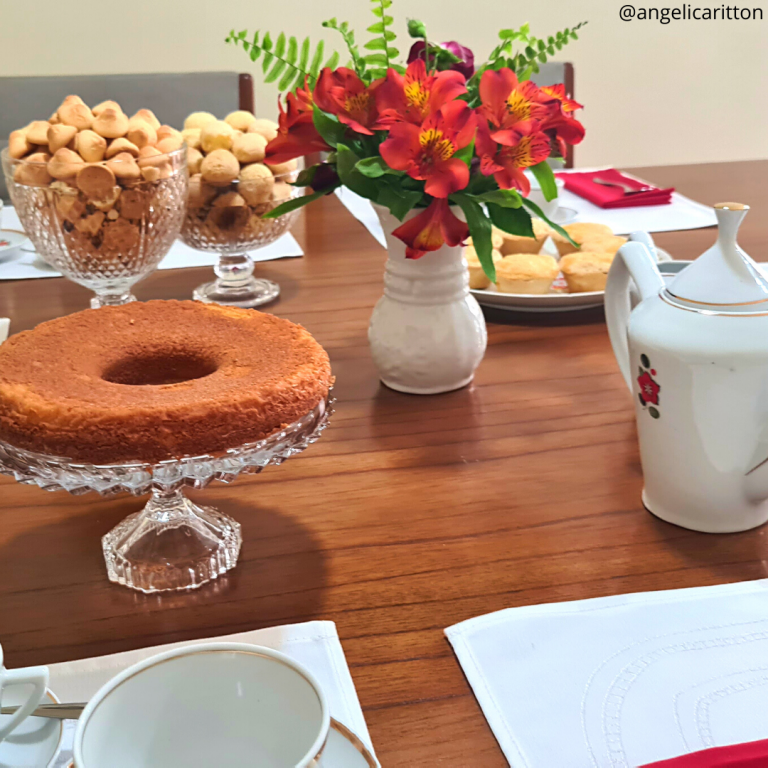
552, 73
170, 96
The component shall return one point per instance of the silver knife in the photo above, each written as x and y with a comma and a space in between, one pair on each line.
58, 711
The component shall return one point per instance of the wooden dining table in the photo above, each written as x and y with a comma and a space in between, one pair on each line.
410, 514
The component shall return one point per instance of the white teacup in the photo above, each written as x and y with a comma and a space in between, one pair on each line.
217, 704
36, 677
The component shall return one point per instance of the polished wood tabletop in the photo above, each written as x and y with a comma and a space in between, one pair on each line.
410, 514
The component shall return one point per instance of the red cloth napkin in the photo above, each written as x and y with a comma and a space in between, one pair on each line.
582, 184
751, 755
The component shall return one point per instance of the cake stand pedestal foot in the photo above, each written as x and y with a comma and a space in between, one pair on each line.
235, 285
171, 544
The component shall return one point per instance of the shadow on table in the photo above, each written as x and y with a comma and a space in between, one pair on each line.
593, 316
53, 578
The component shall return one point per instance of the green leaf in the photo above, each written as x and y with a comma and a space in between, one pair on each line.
266, 44
377, 28
304, 58
504, 198
399, 201
375, 167
546, 179
280, 45
317, 60
480, 228
276, 71
333, 61
516, 221
465, 154
328, 126
535, 208
377, 44
346, 163
287, 79
377, 58
294, 203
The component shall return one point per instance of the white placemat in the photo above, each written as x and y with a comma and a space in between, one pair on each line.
314, 644
23, 264
682, 213
621, 681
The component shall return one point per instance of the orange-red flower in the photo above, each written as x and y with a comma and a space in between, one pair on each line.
558, 92
297, 134
342, 93
507, 162
416, 94
427, 151
431, 229
512, 107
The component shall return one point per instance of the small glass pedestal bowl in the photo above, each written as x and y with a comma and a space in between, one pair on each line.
171, 544
108, 242
224, 221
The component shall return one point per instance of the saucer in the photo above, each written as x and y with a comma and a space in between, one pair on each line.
36, 742
342, 750
10, 241
345, 750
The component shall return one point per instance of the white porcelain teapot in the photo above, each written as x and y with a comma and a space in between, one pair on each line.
694, 354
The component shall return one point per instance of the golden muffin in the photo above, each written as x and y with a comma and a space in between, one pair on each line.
497, 238
478, 280
526, 273
518, 244
581, 232
603, 244
586, 271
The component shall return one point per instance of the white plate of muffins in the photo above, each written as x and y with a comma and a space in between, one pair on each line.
546, 273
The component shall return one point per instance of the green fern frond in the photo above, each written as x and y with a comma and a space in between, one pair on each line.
348, 35
379, 62
285, 61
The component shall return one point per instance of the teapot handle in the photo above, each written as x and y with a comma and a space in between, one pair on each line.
633, 261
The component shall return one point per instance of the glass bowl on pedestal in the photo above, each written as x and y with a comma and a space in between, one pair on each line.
229, 220
106, 226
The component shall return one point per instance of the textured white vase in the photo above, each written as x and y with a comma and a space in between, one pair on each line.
427, 331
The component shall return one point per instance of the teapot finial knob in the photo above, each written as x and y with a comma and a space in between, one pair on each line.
731, 207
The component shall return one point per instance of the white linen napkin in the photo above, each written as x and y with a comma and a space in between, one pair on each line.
24, 264
314, 644
682, 213
621, 681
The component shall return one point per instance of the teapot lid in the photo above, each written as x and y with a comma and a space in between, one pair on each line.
724, 276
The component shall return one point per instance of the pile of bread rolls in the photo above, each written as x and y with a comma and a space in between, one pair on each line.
103, 169
522, 268
230, 187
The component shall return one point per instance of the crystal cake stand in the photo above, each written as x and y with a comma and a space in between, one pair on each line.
171, 544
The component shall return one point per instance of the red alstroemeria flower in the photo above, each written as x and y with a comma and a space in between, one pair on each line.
506, 162
558, 92
342, 93
427, 151
297, 134
431, 229
564, 129
416, 94
511, 107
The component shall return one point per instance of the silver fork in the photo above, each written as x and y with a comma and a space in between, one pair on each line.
627, 189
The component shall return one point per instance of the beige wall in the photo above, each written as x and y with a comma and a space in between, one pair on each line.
684, 92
